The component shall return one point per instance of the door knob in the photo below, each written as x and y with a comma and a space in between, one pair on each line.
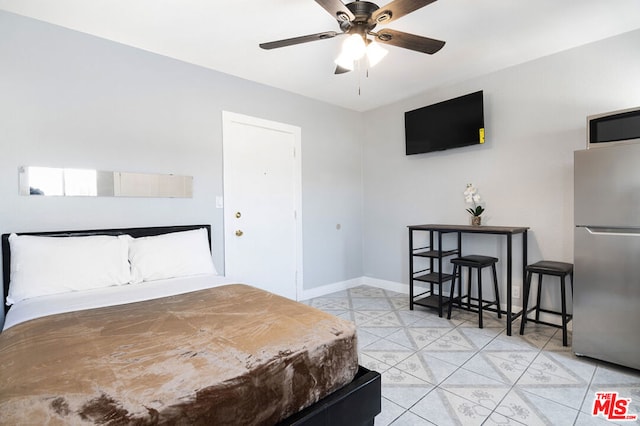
238, 214
239, 233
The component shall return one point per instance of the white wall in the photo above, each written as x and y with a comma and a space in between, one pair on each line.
68, 99
73, 100
535, 116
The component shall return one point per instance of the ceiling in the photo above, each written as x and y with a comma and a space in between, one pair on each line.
482, 36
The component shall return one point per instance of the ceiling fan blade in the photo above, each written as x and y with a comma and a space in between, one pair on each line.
298, 40
337, 9
397, 9
409, 41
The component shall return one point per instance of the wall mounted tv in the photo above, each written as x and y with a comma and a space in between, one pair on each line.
449, 124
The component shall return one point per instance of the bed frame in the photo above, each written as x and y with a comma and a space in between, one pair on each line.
355, 404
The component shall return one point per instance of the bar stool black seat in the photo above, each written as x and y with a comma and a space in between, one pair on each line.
477, 262
553, 268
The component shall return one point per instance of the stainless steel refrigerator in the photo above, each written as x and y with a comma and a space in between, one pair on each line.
606, 305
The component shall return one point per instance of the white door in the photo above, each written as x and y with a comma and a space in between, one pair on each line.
262, 221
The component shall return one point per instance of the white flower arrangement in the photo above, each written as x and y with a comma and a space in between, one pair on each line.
471, 196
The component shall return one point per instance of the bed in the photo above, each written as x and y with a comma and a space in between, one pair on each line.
167, 341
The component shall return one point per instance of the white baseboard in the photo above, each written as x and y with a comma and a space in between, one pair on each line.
386, 285
355, 282
330, 288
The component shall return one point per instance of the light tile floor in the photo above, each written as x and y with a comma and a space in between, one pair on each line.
450, 372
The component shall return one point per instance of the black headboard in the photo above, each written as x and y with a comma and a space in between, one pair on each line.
134, 232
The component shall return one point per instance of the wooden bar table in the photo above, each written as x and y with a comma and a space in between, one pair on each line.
437, 253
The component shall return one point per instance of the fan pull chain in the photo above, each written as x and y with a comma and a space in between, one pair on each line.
366, 75
358, 71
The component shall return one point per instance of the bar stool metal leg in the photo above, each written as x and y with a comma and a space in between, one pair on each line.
468, 285
571, 281
479, 296
452, 292
564, 311
495, 289
538, 298
525, 302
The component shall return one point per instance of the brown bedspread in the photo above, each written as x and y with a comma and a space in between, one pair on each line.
228, 355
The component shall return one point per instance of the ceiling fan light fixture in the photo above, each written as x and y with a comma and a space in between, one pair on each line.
354, 47
375, 53
345, 62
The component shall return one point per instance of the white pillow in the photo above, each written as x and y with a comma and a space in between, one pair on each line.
50, 265
177, 254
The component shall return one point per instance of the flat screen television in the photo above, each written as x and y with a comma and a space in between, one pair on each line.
449, 124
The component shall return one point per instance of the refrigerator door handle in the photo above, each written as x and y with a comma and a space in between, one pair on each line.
623, 232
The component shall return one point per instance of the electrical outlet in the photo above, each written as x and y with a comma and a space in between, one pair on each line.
515, 291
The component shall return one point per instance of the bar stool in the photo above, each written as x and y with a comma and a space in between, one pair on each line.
478, 263
557, 269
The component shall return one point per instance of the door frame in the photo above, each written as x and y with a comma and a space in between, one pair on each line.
231, 117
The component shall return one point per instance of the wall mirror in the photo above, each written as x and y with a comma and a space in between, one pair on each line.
52, 181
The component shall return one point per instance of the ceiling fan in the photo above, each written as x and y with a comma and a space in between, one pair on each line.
359, 19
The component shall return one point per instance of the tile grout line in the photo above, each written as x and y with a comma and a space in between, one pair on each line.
458, 368
541, 344
511, 388
593, 375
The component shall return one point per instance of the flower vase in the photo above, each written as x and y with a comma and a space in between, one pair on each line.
476, 220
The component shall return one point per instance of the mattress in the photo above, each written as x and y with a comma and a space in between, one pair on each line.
232, 354
107, 296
